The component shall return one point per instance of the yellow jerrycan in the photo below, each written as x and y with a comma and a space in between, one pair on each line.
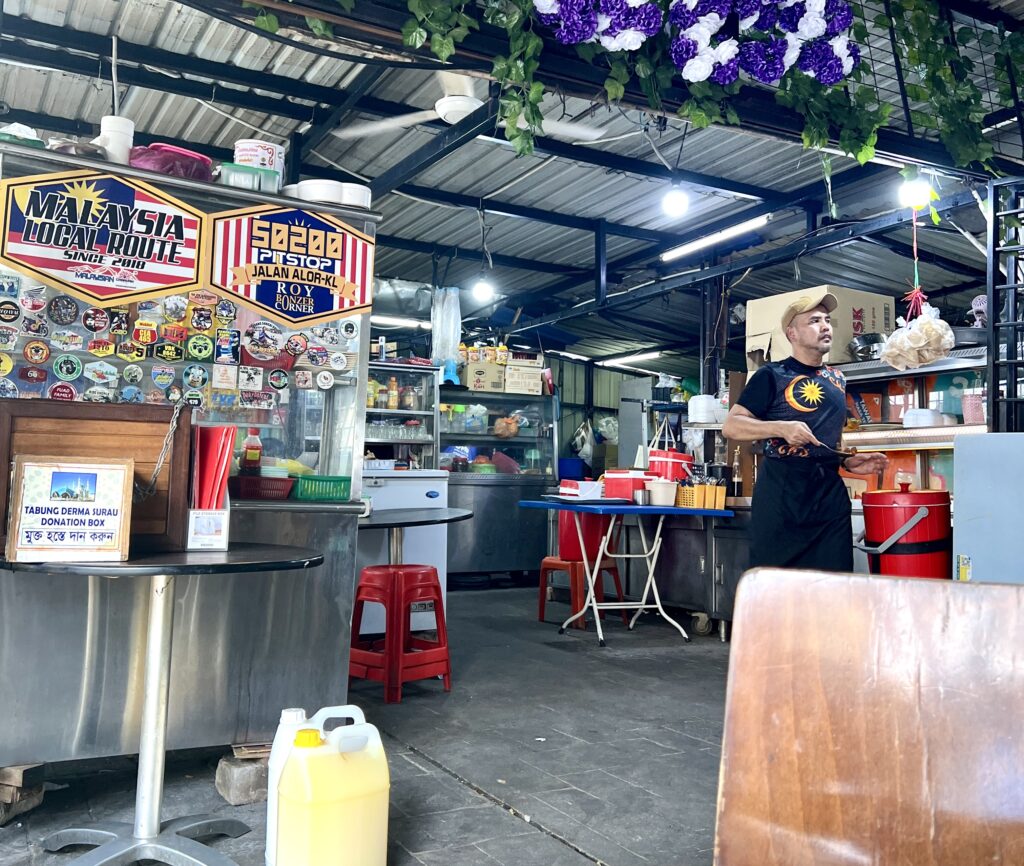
332, 799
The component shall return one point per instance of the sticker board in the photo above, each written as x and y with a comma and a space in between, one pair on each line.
105, 239
293, 266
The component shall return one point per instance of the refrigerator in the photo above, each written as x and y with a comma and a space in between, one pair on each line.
423, 545
988, 477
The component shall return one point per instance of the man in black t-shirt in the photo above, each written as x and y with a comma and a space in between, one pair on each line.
801, 510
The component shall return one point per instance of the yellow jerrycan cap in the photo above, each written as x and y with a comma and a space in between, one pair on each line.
308, 738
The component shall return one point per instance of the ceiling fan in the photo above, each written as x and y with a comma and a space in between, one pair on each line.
458, 102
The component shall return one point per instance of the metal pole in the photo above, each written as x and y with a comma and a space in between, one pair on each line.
898, 66
396, 543
293, 160
149, 793
601, 263
994, 310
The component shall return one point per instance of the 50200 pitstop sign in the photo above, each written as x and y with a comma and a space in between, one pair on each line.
292, 266
106, 239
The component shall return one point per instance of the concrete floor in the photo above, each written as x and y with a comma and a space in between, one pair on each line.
549, 751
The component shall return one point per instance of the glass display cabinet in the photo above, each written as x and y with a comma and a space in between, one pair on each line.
402, 414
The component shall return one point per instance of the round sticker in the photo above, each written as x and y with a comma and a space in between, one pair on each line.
162, 375
132, 394
194, 397
317, 356
95, 320
325, 380
9, 312
36, 352
195, 376
132, 374
33, 299
175, 307
200, 347
63, 310
174, 394
338, 361
278, 379
263, 340
226, 311
8, 390
67, 368
62, 391
6, 364
349, 329
296, 344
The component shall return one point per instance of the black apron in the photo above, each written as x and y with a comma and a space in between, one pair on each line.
801, 517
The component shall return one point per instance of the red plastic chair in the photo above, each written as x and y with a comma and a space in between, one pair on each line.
399, 658
577, 585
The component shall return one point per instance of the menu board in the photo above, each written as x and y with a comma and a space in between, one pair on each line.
292, 266
104, 239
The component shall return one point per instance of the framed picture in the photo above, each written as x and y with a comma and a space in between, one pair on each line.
66, 509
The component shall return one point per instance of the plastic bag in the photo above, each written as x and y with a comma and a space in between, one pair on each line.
583, 442
445, 326
608, 427
174, 161
506, 428
920, 341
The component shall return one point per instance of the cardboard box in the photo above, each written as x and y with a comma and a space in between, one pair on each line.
858, 313
524, 358
523, 380
485, 377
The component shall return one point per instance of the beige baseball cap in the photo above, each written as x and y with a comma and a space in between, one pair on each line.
805, 303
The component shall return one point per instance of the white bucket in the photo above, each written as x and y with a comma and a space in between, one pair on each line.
662, 492
259, 154
117, 134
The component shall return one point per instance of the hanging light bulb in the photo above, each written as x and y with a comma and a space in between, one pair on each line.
915, 193
675, 203
482, 290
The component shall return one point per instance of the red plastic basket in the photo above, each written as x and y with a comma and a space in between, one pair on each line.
258, 487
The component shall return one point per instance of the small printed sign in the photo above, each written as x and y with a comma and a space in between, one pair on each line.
225, 378
70, 510
250, 378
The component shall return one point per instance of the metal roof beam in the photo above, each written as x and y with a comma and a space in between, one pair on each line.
480, 122
428, 248
62, 37
364, 80
954, 266
833, 237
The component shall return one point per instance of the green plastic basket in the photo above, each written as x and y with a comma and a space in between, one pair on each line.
322, 488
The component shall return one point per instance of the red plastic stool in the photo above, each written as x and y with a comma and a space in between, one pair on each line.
577, 585
399, 657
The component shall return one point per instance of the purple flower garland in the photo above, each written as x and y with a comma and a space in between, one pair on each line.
772, 36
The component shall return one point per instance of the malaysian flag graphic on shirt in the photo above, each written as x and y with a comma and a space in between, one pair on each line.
105, 238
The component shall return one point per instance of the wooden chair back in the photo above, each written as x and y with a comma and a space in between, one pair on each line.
872, 721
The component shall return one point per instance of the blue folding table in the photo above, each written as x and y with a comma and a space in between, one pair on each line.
651, 551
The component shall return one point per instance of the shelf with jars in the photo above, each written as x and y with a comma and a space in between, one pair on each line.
402, 413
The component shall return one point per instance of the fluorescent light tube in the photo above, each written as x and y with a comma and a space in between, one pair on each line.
631, 359
712, 239
396, 322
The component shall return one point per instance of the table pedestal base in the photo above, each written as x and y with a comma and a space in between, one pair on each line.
175, 844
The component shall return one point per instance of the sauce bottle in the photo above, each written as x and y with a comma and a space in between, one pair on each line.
252, 453
737, 476
392, 393
502, 356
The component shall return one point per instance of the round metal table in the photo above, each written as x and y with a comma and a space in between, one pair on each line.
171, 842
395, 521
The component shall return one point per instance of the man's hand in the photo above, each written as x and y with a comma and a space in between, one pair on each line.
865, 464
797, 433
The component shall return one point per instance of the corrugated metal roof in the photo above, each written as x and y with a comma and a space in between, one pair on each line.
486, 168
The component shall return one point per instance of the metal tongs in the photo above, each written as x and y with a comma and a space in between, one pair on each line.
840, 451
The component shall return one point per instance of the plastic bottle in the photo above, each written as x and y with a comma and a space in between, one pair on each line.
332, 799
463, 353
293, 720
737, 475
371, 393
252, 453
392, 393
502, 353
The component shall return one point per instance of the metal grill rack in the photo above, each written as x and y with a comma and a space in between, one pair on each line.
1006, 305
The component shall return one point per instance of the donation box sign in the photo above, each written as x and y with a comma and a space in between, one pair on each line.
292, 266
105, 239
70, 510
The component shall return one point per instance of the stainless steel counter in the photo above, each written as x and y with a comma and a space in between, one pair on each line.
501, 536
245, 646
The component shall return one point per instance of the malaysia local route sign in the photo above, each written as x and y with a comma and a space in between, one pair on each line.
106, 239
292, 266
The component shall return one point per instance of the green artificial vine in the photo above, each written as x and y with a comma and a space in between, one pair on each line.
268, 21
938, 77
